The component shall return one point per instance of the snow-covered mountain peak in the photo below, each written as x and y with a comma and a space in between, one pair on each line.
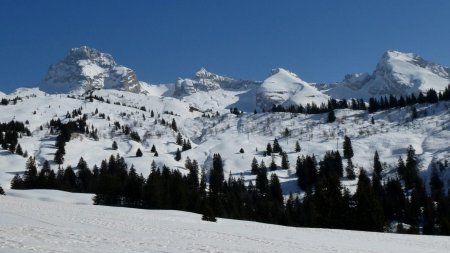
282, 71
86, 68
204, 81
90, 54
284, 87
203, 73
397, 74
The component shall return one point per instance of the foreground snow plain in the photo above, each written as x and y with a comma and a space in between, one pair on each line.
44, 226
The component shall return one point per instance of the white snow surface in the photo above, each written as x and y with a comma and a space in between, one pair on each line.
285, 88
396, 73
67, 221
391, 134
42, 226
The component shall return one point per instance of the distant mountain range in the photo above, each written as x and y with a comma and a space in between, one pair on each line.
396, 74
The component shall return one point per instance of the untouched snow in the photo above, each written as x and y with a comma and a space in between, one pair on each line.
285, 88
391, 134
396, 73
43, 226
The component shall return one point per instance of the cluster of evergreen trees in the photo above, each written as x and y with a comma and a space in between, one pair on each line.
65, 132
14, 101
376, 203
9, 136
326, 202
431, 96
313, 108
64, 179
383, 103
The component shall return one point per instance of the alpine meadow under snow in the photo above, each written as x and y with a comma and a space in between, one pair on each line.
237, 119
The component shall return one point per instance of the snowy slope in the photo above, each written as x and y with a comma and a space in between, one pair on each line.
210, 91
391, 134
283, 87
60, 227
396, 73
157, 90
86, 68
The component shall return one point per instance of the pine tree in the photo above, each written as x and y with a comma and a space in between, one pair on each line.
216, 176
376, 176
69, 179
269, 149
17, 182
436, 184
255, 166
307, 173
262, 183
411, 174
174, 125
347, 146
369, 214
208, 214
273, 165
178, 155
284, 161
139, 153
42, 181
30, 176
59, 155
328, 200
241, 151
153, 150
19, 150
2, 192
349, 169
84, 176
133, 188
114, 145
275, 189
331, 116
179, 140
276, 146
297, 147
193, 175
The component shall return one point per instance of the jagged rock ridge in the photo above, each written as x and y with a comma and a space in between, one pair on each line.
86, 68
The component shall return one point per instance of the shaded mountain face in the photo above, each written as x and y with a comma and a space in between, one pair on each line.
396, 74
86, 68
285, 88
206, 81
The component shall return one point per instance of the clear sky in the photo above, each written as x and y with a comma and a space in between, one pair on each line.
319, 40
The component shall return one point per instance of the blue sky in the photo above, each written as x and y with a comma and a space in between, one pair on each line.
321, 41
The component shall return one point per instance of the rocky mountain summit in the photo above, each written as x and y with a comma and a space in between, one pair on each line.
396, 74
86, 68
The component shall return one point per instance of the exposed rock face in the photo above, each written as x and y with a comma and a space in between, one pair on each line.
86, 68
396, 74
207, 81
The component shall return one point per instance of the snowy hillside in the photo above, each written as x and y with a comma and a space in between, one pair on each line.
285, 88
43, 226
391, 134
85, 68
209, 91
396, 73
151, 126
